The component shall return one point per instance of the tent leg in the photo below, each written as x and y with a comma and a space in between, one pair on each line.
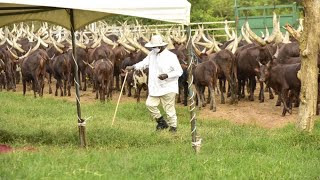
196, 140
81, 122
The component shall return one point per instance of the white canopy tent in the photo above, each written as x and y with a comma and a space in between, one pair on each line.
73, 15
85, 12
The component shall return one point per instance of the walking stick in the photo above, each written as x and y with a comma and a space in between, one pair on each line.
115, 112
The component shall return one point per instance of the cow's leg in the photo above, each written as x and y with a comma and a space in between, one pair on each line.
252, 83
139, 91
198, 96
261, 94
179, 93
61, 87
271, 96
102, 91
97, 90
124, 89
85, 81
34, 84
129, 89
284, 97
222, 90
64, 87
212, 101
57, 87
48, 75
239, 89
185, 95
24, 86
117, 83
109, 86
69, 84
202, 96
135, 93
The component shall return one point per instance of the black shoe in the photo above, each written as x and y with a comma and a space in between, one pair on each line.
173, 129
162, 124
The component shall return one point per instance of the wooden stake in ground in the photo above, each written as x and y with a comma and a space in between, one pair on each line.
115, 112
309, 49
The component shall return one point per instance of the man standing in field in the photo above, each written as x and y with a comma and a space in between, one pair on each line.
164, 72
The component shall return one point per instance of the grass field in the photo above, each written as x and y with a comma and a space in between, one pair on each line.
44, 134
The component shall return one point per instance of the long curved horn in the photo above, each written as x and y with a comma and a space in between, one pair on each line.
275, 29
36, 46
235, 44
277, 53
286, 38
216, 47
88, 64
3, 41
14, 55
207, 45
267, 34
137, 45
254, 36
95, 44
25, 55
198, 52
17, 47
226, 29
127, 46
210, 51
107, 40
246, 38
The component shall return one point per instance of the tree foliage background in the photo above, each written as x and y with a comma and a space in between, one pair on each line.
210, 10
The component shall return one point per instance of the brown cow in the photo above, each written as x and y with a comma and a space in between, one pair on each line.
205, 74
33, 70
2, 75
61, 67
103, 78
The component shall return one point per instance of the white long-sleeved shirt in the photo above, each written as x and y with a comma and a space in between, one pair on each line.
165, 62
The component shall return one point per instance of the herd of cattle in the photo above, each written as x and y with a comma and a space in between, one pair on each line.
35, 55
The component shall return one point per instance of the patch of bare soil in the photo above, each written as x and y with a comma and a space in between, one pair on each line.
245, 112
6, 148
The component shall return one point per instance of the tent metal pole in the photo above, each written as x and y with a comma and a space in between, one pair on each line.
196, 140
81, 122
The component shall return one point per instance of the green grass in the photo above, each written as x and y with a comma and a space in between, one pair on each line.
131, 149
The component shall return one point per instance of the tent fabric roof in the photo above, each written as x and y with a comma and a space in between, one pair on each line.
86, 12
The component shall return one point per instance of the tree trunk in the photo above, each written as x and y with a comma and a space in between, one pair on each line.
309, 49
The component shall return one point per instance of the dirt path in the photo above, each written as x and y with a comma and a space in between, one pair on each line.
245, 112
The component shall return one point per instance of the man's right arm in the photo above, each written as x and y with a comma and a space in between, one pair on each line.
142, 64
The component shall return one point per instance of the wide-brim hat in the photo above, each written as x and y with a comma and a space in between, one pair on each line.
155, 41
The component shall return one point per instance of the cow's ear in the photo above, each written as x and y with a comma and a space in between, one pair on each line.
256, 69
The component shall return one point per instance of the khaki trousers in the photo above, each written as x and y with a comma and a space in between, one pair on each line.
168, 103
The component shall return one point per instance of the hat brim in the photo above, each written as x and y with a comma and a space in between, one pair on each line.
150, 45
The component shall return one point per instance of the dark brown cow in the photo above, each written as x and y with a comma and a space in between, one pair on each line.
33, 70
249, 61
282, 78
227, 69
61, 67
8, 68
120, 54
103, 78
205, 74
3, 80
104, 51
181, 52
